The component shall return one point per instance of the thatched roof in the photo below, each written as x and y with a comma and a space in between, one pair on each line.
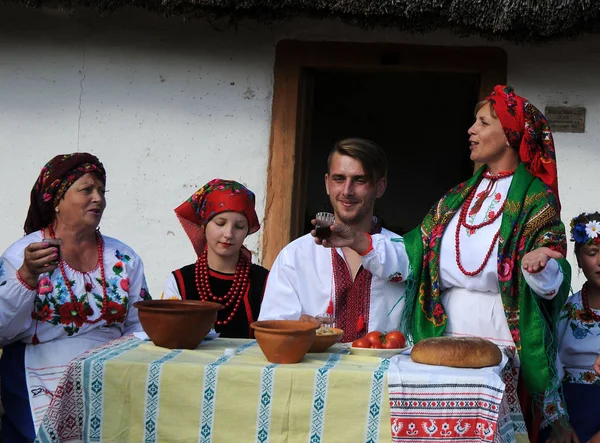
516, 20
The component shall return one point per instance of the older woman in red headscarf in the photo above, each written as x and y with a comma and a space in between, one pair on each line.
64, 288
488, 259
217, 220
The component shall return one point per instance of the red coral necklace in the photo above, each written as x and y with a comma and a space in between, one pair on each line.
462, 219
100, 246
239, 286
586, 304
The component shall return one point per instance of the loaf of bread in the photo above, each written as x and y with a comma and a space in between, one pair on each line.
457, 352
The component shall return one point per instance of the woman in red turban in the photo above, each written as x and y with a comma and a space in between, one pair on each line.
488, 259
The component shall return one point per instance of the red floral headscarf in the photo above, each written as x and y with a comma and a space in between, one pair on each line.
211, 199
528, 132
55, 178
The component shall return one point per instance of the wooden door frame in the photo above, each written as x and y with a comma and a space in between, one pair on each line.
285, 189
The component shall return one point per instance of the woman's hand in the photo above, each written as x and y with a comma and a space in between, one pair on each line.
534, 261
343, 236
562, 432
597, 365
38, 258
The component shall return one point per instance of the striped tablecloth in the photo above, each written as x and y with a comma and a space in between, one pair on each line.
438, 404
132, 391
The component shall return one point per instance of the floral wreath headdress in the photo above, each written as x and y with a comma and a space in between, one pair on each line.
585, 229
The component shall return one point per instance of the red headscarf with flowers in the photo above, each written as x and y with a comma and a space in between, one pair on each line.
55, 178
528, 132
213, 198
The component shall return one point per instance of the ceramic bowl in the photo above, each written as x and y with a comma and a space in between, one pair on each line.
177, 324
284, 341
324, 342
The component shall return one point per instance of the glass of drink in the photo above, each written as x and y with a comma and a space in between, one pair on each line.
324, 221
326, 321
54, 243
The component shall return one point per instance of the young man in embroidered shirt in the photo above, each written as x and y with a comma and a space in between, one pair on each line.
357, 275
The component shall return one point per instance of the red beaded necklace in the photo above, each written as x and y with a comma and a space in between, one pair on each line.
501, 174
462, 219
239, 286
100, 245
586, 304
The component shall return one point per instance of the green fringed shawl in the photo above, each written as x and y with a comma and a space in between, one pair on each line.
530, 220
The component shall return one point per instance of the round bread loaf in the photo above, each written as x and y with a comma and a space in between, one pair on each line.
457, 352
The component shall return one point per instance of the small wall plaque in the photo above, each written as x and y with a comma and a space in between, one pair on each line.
566, 118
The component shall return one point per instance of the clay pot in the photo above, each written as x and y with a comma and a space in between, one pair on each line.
324, 342
177, 324
284, 341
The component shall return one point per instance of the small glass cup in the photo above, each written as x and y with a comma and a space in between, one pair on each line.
324, 221
326, 321
54, 243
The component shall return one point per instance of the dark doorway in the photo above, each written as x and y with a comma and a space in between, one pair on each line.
419, 118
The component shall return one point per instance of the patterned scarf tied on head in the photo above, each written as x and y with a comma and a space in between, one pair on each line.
528, 132
213, 198
55, 178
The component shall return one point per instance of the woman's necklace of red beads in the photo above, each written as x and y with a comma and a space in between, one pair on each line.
239, 286
586, 304
462, 220
61, 265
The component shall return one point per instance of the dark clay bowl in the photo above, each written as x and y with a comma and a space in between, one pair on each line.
324, 342
284, 341
177, 324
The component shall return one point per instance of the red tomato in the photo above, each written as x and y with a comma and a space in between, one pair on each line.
375, 337
376, 345
391, 343
361, 343
398, 336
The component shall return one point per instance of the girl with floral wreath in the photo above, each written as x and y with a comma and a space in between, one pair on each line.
579, 333
64, 289
488, 259
217, 219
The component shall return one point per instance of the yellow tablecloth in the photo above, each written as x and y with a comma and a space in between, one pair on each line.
130, 391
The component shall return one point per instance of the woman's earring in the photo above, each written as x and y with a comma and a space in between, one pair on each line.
56, 209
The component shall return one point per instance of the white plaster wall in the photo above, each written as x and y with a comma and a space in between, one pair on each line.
168, 105
164, 108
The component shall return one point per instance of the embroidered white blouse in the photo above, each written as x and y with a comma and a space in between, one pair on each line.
473, 303
474, 246
301, 281
477, 309
578, 342
60, 328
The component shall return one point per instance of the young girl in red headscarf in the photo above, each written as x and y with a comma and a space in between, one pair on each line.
217, 219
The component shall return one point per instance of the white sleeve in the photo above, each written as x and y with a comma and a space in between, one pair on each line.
16, 303
138, 290
546, 282
387, 259
171, 290
280, 300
